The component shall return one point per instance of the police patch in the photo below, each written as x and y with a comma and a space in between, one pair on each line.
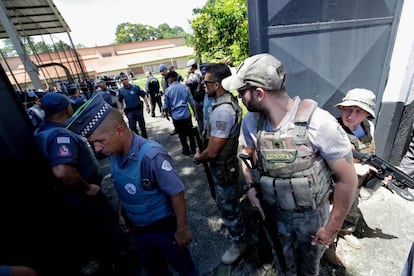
64, 151
130, 188
63, 140
221, 125
166, 166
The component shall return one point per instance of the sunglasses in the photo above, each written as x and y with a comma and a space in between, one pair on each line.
207, 82
244, 89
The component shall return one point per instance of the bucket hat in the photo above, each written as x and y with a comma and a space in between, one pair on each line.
361, 97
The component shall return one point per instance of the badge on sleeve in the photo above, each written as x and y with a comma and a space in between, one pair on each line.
64, 151
166, 166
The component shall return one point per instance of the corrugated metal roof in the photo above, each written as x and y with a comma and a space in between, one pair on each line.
34, 17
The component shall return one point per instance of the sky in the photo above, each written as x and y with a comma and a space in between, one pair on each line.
93, 22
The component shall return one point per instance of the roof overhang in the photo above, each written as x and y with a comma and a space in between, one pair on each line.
33, 17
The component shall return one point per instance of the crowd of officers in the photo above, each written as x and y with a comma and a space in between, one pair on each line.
287, 149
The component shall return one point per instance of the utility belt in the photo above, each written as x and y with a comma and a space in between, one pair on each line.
163, 225
298, 193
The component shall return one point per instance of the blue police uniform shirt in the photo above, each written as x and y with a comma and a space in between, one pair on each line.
77, 102
62, 146
106, 94
131, 95
176, 98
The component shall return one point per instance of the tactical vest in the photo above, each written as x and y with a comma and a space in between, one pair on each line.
229, 152
365, 144
291, 174
143, 203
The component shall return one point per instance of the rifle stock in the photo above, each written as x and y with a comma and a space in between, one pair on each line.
401, 181
205, 164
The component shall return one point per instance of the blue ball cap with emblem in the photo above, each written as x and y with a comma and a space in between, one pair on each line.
163, 67
89, 116
53, 103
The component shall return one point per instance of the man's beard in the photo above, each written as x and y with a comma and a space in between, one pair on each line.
252, 105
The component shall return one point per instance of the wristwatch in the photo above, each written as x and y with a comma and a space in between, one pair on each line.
247, 186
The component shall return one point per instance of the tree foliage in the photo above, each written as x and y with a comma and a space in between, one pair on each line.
128, 32
32, 47
221, 31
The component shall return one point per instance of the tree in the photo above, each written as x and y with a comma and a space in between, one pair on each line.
221, 31
8, 48
166, 32
128, 32
42, 47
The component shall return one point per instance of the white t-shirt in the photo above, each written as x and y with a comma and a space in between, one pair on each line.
324, 132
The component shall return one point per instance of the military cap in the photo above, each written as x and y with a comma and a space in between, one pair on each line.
89, 116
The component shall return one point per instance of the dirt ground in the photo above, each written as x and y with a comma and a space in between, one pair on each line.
386, 229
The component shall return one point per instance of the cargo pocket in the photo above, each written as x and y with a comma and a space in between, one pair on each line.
268, 190
302, 192
284, 194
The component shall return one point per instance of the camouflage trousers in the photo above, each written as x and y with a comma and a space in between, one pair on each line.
228, 204
295, 230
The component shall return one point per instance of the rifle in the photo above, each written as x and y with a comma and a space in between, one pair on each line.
205, 164
269, 224
400, 181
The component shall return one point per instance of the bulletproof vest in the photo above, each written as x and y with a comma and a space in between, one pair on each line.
229, 151
365, 144
142, 202
292, 175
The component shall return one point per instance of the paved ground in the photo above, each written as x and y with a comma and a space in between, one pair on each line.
386, 230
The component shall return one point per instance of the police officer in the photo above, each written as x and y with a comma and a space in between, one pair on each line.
222, 131
194, 80
150, 190
152, 87
133, 109
76, 99
108, 94
91, 218
296, 145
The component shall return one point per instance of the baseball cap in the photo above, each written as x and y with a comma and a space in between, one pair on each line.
89, 116
361, 97
163, 67
261, 70
191, 62
53, 103
72, 87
